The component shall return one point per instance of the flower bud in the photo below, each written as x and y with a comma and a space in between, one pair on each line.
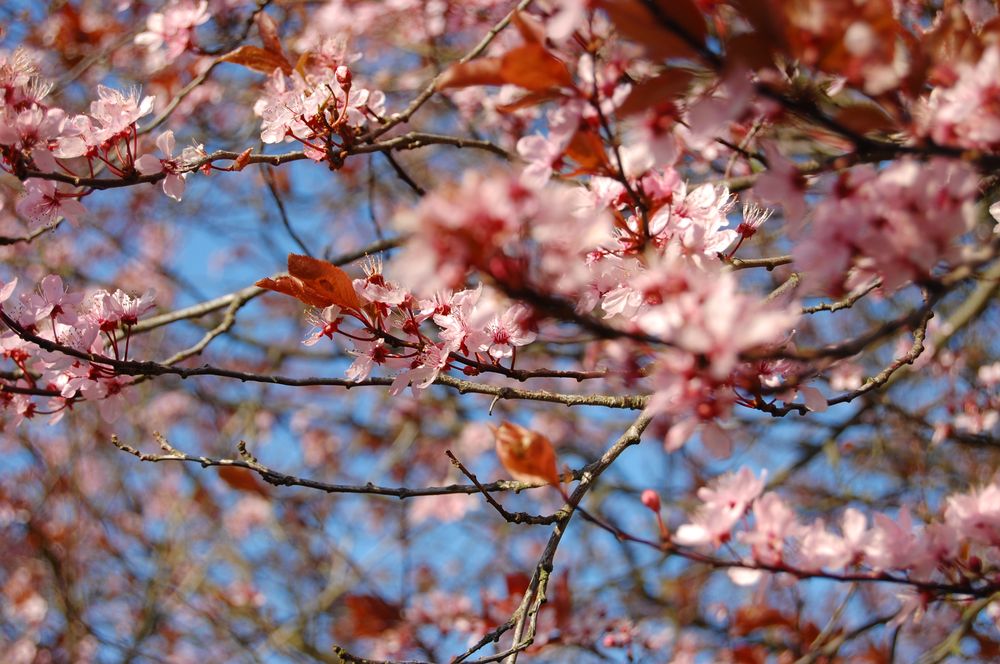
651, 499
343, 77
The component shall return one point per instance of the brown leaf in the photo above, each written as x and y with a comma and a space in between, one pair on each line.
484, 71
748, 619
530, 67
527, 455
587, 149
517, 584
268, 30
315, 282
634, 20
258, 59
751, 50
530, 99
370, 615
534, 68
865, 118
243, 479
766, 20
664, 87
529, 27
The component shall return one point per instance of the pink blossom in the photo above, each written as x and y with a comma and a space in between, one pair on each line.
7, 289
774, 522
52, 300
846, 375
821, 549
367, 354
753, 218
507, 331
976, 515
726, 500
248, 514
892, 544
423, 370
117, 112
325, 324
109, 310
375, 288
695, 220
544, 153
44, 203
495, 224
147, 164
897, 224
456, 318
173, 27
710, 115
964, 114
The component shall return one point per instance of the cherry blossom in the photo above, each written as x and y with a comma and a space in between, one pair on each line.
895, 224
45, 203
147, 164
174, 27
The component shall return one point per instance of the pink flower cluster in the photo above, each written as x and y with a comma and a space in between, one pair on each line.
962, 548
34, 136
465, 328
695, 220
676, 290
709, 324
169, 33
964, 114
318, 106
896, 224
518, 236
87, 324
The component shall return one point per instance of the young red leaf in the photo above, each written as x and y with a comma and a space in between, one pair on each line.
268, 30
484, 71
534, 68
634, 20
370, 615
242, 479
315, 282
527, 455
258, 59
530, 66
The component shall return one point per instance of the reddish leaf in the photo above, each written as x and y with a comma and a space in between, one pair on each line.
315, 282
527, 455
243, 479
268, 30
663, 87
484, 71
865, 118
530, 67
258, 59
748, 619
587, 149
370, 615
766, 21
751, 49
534, 68
562, 601
634, 20
529, 100
517, 584
529, 27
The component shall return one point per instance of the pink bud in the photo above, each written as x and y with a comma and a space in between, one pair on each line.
651, 499
344, 76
